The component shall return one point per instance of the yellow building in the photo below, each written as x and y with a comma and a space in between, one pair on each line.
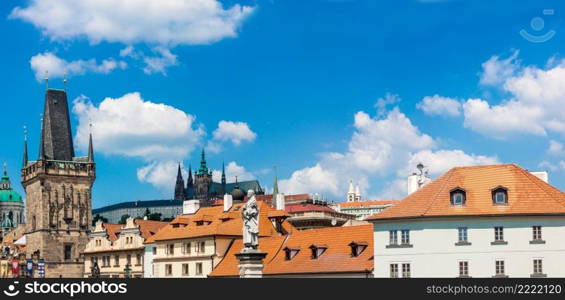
118, 249
193, 244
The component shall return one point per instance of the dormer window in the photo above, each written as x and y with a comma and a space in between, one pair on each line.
500, 196
318, 250
290, 253
458, 196
357, 248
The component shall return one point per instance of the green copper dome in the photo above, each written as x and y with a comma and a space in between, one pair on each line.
7, 194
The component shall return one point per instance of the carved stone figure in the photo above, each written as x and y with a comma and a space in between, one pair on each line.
250, 215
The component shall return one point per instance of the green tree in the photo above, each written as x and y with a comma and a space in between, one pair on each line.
97, 218
154, 217
123, 219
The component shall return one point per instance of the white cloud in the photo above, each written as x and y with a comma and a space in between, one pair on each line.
233, 170
499, 121
535, 105
438, 105
163, 22
160, 62
379, 147
312, 179
385, 101
161, 174
496, 71
58, 67
554, 167
235, 132
133, 127
556, 148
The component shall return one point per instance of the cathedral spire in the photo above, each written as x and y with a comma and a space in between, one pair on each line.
223, 174
189, 181
25, 147
41, 155
179, 186
203, 168
275, 188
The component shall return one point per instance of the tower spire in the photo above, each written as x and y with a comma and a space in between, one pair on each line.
25, 147
203, 168
189, 181
41, 148
179, 186
90, 147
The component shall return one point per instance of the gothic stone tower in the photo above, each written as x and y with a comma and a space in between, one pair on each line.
202, 182
58, 193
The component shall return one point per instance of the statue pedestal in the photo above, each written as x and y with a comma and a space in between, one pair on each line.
250, 263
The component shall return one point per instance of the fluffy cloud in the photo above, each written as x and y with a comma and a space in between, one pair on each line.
158, 134
556, 148
163, 22
534, 107
131, 126
160, 62
438, 105
233, 170
58, 67
379, 146
235, 132
496, 71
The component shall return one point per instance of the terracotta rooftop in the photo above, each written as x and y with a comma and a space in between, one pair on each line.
219, 223
146, 227
367, 203
337, 257
527, 195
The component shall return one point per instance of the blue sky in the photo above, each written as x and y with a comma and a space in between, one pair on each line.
327, 90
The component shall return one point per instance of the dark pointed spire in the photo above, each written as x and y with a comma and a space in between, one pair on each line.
56, 137
189, 181
90, 148
223, 174
179, 186
25, 148
41, 155
275, 188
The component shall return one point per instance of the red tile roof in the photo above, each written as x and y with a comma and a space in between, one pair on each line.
527, 195
146, 227
336, 258
221, 223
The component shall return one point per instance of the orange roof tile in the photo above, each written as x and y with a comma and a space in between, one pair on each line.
112, 230
527, 195
218, 226
146, 227
367, 203
337, 257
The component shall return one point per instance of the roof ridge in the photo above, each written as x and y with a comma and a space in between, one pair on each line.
446, 181
528, 175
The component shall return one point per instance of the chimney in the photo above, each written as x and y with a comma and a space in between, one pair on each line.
280, 203
228, 202
541, 175
412, 185
190, 207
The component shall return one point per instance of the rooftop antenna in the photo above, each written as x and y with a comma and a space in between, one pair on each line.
46, 79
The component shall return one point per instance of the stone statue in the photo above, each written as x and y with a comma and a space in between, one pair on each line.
95, 270
250, 215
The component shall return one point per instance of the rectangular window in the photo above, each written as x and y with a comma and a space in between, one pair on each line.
405, 237
185, 269
198, 268
154, 250
499, 268
68, 252
463, 269
128, 259
405, 270
202, 247
393, 270
186, 248
116, 261
393, 237
538, 269
462, 234
168, 269
138, 259
171, 249
536, 232
498, 234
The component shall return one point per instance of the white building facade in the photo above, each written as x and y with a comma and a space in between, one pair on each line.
483, 221
468, 247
